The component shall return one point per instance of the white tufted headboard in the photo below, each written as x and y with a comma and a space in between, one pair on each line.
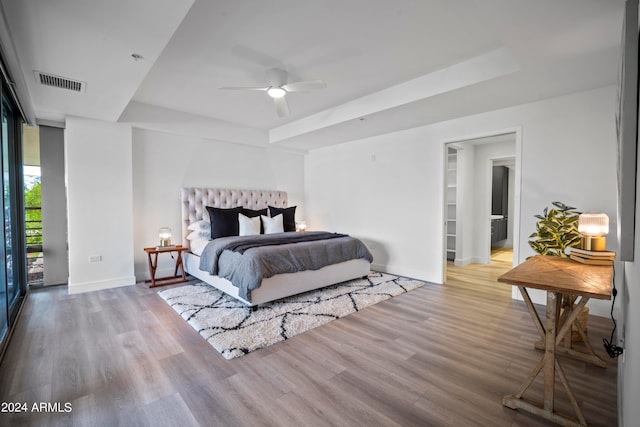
195, 201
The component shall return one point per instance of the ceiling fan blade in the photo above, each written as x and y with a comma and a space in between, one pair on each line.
243, 88
282, 108
304, 86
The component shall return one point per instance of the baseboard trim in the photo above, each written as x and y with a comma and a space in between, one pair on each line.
463, 261
403, 271
76, 288
460, 262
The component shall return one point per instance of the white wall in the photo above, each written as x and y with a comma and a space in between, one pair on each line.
629, 329
388, 189
163, 163
99, 204
379, 190
467, 210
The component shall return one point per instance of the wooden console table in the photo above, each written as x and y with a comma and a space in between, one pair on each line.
152, 254
564, 281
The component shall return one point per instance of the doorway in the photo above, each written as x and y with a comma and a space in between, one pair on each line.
468, 237
502, 208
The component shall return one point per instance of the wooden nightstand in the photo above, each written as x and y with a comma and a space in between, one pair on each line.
152, 254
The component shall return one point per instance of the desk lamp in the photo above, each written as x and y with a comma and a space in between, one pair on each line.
165, 237
593, 227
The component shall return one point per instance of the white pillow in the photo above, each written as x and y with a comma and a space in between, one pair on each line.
272, 225
199, 225
199, 235
248, 226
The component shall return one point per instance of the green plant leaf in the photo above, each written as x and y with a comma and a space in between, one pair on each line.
556, 230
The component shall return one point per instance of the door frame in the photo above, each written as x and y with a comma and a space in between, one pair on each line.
485, 231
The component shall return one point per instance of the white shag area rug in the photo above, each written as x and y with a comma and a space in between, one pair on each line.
234, 329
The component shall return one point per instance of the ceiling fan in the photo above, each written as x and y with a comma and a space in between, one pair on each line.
278, 87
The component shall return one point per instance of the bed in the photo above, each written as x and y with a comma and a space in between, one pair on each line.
194, 203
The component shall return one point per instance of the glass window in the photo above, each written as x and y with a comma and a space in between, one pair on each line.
12, 237
8, 128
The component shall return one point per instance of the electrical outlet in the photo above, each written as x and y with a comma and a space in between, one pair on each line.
95, 258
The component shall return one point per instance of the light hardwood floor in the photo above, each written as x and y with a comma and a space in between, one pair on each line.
442, 355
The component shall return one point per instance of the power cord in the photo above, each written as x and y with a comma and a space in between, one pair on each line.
613, 350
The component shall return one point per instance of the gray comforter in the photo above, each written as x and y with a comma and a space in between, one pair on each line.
246, 270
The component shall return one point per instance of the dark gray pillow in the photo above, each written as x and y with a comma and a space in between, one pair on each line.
224, 222
288, 216
253, 213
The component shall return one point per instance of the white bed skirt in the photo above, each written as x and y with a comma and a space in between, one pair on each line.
283, 285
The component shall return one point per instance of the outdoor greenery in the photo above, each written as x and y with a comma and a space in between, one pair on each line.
556, 230
33, 217
32, 195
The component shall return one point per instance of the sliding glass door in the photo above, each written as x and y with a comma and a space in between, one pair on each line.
11, 239
9, 225
6, 272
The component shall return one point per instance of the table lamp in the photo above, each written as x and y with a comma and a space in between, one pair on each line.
165, 237
593, 228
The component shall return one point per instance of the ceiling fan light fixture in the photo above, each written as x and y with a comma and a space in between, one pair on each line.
276, 92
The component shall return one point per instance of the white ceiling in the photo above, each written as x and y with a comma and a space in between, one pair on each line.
388, 64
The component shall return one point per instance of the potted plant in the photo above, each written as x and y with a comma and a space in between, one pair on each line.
556, 230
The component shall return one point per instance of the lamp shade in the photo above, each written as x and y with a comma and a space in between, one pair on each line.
165, 236
593, 224
593, 227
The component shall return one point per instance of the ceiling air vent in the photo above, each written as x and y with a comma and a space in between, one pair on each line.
60, 82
